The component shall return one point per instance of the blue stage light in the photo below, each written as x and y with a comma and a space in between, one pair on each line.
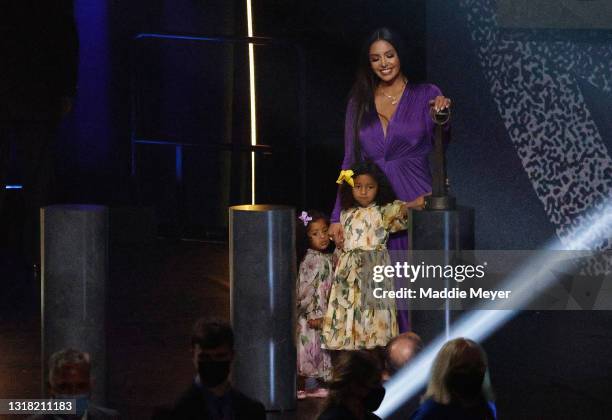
13, 187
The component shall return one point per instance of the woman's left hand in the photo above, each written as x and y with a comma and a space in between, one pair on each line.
315, 324
441, 102
418, 203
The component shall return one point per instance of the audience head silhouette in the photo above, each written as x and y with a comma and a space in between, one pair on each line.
458, 372
356, 386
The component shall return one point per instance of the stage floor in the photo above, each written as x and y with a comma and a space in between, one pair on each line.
156, 293
544, 365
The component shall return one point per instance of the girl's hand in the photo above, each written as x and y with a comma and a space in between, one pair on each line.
439, 103
337, 234
315, 324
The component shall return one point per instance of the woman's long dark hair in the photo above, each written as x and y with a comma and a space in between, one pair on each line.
362, 92
385, 194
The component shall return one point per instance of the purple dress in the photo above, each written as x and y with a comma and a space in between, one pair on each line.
402, 155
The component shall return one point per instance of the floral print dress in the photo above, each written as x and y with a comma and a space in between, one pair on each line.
314, 284
353, 321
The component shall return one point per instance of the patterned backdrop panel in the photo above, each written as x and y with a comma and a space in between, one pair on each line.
536, 87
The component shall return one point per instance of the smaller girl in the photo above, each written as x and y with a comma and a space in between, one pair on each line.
313, 285
354, 320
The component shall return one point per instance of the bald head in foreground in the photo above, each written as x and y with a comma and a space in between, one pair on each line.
400, 351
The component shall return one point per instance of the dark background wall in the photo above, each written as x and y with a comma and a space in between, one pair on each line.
95, 141
532, 136
523, 104
176, 83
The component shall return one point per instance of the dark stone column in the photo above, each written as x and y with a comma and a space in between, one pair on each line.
74, 256
448, 231
262, 287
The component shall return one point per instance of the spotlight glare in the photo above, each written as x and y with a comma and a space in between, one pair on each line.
480, 324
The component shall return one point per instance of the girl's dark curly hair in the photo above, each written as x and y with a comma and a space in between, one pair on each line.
302, 243
385, 194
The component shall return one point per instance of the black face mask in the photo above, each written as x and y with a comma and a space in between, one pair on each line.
374, 398
213, 373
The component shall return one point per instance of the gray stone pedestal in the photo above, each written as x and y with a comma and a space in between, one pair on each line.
262, 288
449, 231
74, 270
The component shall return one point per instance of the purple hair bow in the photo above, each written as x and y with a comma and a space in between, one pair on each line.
304, 217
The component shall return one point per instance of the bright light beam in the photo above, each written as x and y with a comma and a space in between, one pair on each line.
527, 282
252, 96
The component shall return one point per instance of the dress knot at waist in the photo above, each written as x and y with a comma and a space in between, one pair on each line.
400, 159
380, 247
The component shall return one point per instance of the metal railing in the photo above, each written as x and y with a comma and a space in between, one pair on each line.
237, 146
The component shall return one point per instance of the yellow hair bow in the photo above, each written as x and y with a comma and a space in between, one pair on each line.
346, 176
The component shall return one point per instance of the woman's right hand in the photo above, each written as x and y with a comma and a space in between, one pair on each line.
337, 234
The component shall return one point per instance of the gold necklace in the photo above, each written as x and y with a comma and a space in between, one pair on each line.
394, 99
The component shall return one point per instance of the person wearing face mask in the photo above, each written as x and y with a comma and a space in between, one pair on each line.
211, 395
458, 387
70, 378
355, 388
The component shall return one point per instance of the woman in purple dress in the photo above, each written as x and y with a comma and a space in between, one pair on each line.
388, 122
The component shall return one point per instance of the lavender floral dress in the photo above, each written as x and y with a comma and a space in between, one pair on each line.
353, 321
314, 284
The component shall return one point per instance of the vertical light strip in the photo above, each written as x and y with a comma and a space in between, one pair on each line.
252, 97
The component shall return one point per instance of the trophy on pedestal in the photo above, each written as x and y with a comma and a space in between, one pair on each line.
442, 227
439, 198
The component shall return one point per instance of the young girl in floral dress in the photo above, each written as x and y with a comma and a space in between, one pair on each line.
353, 319
313, 285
